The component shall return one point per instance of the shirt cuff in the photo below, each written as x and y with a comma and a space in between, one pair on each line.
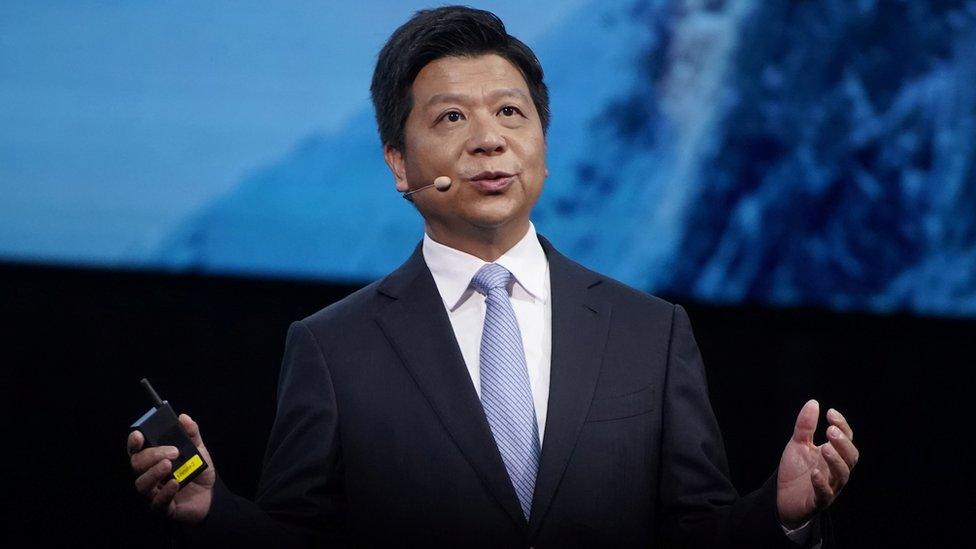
799, 535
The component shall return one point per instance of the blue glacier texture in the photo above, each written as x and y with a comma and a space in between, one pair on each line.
791, 153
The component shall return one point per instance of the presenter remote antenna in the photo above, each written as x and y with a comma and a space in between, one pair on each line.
153, 396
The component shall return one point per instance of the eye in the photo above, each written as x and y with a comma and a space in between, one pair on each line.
509, 110
452, 116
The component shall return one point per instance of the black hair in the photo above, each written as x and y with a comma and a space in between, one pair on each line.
450, 31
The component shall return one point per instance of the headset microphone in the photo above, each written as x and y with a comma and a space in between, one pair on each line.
442, 184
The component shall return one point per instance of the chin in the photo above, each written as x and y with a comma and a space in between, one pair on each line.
493, 217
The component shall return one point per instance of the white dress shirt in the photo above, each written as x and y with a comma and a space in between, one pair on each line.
453, 270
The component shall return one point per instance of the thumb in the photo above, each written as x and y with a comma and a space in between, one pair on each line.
192, 430
209, 476
806, 422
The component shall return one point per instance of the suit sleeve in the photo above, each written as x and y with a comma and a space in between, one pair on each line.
300, 497
701, 506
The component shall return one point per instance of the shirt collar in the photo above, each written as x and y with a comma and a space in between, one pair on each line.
453, 269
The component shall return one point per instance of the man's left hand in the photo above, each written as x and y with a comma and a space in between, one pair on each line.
810, 476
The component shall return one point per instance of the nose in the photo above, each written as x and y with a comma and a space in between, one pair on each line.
486, 139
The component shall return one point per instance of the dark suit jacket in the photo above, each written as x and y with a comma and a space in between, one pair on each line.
380, 439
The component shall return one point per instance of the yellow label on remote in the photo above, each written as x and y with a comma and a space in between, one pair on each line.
187, 468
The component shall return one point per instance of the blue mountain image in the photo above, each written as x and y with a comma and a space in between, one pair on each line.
780, 152
845, 174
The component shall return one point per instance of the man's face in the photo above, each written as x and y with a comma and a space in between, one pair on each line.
474, 121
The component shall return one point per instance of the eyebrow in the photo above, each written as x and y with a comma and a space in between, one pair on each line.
462, 98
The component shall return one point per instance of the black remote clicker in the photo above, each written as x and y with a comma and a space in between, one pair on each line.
160, 427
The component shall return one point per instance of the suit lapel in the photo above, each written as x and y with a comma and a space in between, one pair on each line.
419, 329
579, 332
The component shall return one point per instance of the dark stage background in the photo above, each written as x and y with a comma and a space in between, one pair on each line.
762, 154
81, 340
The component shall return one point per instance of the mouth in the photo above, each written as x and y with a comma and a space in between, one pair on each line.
492, 182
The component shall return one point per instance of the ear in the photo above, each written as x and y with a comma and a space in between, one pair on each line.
394, 160
545, 157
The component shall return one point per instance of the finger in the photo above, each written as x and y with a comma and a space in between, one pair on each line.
844, 446
156, 474
823, 495
134, 443
806, 422
165, 495
839, 471
838, 419
144, 459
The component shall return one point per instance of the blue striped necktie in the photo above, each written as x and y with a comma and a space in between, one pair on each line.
506, 394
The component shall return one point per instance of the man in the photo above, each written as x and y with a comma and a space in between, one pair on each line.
491, 392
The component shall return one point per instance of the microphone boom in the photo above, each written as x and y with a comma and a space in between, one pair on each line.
441, 183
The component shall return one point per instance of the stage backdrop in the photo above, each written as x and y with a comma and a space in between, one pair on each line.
777, 152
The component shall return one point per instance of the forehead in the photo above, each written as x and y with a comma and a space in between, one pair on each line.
475, 75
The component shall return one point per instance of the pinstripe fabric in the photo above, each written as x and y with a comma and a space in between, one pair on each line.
506, 394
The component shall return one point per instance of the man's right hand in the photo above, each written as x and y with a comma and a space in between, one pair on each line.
153, 466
